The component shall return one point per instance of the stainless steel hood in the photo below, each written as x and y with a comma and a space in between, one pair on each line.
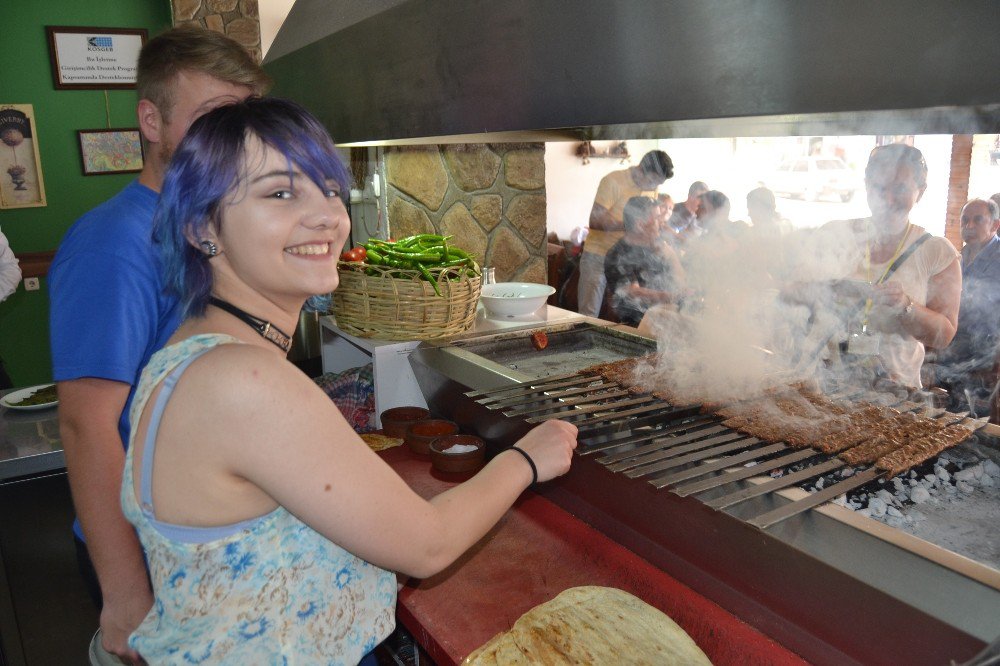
414, 71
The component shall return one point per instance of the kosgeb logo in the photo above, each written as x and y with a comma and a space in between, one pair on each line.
99, 44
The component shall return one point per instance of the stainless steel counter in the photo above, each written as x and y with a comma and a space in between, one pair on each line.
29, 442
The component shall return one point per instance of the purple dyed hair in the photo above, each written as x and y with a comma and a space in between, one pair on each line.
211, 162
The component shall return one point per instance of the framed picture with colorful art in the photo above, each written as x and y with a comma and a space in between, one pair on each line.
21, 184
110, 151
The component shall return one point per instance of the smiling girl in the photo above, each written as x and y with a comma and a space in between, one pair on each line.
270, 527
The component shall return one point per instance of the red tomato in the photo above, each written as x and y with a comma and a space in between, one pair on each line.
355, 254
539, 340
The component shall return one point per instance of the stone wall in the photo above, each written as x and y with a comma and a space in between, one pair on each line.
237, 19
490, 197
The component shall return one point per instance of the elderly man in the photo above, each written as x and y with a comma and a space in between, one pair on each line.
606, 226
641, 269
967, 366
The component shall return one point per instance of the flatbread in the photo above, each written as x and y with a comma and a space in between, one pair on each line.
380, 442
591, 625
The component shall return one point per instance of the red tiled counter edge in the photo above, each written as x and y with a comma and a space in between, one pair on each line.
536, 551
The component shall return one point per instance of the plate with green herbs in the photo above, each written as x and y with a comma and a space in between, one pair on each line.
42, 396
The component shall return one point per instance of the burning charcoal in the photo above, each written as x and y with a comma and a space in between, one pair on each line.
942, 474
991, 468
885, 496
919, 495
969, 474
877, 507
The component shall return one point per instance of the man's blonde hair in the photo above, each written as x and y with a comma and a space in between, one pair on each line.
190, 48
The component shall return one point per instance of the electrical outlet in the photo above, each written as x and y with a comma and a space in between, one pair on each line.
31, 284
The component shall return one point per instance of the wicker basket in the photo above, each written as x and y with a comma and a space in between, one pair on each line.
393, 304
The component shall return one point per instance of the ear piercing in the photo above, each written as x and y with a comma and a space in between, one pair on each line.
208, 248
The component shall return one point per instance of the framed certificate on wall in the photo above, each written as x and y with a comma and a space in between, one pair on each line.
94, 58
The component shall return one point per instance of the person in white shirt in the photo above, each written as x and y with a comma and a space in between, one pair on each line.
10, 271
10, 275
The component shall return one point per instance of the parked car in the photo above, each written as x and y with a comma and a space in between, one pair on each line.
812, 178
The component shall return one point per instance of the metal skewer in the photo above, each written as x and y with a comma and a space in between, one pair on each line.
775, 484
693, 457
540, 388
655, 406
593, 409
668, 448
561, 403
646, 435
602, 429
744, 473
519, 385
657, 445
708, 468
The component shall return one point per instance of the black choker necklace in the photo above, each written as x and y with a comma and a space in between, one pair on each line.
266, 329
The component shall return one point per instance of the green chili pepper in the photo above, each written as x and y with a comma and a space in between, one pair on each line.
430, 278
413, 257
455, 262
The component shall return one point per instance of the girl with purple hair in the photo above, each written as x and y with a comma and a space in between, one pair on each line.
270, 527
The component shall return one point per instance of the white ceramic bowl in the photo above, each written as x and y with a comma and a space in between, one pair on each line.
505, 300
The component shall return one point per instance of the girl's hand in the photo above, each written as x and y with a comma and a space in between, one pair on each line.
550, 446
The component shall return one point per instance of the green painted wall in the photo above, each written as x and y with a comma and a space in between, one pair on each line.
26, 78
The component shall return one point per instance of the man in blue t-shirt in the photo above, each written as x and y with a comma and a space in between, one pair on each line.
109, 313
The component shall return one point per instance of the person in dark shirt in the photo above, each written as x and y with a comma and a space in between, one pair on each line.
686, 214
642, 270
967, 367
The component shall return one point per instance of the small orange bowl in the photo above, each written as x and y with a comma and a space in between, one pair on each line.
449, 454
420, 434
397, 420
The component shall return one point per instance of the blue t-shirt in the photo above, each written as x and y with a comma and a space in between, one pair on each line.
978, 334
109, 311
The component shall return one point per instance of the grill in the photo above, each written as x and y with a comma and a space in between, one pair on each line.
685, 445
670, 481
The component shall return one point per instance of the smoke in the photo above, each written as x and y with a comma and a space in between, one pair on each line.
744, 330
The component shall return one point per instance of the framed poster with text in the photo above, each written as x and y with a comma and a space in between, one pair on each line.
21, 184
94, 58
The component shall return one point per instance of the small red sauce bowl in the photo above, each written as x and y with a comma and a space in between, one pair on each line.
457, 463
397, 420
420, 434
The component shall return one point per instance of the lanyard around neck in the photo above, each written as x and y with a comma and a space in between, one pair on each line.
892, 260
868, 270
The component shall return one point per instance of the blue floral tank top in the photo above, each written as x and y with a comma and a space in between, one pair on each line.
269, 590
